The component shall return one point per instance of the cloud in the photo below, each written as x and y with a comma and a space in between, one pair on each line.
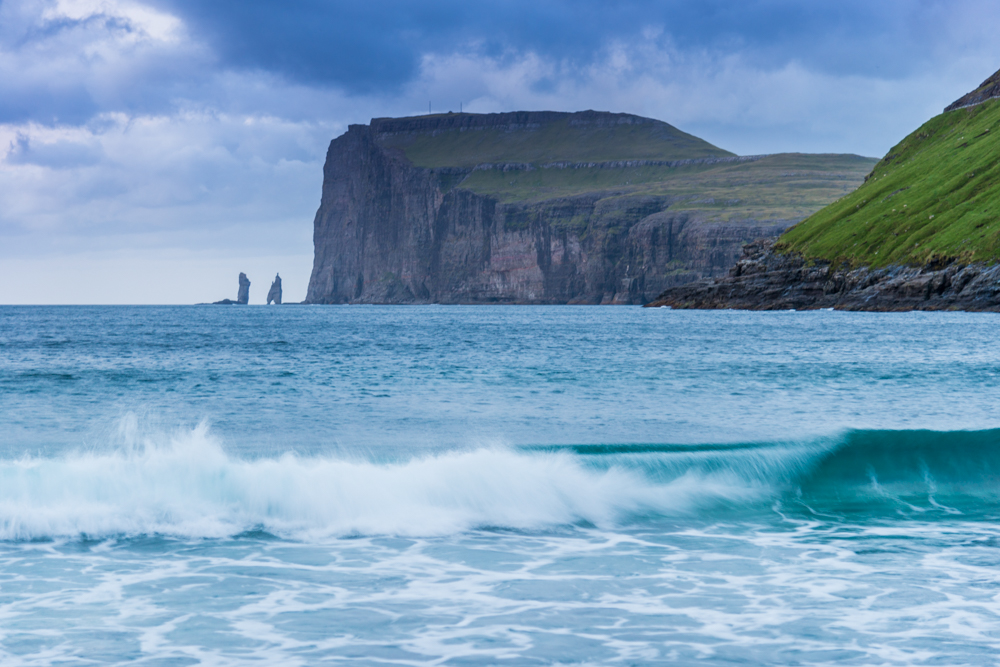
377, 47
66, 61
58, 154
169, 179
728, 98
159, 209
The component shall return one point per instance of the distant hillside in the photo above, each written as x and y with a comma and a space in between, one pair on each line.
784, 185
934, 197
547, 207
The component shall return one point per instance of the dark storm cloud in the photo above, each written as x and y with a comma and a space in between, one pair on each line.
58, 69
366, 47
377, 48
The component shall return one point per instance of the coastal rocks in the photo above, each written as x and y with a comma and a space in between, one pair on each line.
274, 294
987, 90
767, 280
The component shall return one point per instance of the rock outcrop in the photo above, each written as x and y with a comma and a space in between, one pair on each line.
388, 231
244, 294
274, 294
987, 90
767, 280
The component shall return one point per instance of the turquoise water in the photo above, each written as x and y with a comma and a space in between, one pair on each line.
480, 485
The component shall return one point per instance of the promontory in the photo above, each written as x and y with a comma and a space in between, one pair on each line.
548, 207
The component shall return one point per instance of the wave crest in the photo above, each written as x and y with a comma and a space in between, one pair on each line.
189, 486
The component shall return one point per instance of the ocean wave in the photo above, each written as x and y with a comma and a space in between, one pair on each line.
871, 471
188, 485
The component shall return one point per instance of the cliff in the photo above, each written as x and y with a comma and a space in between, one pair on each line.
546, 207
921, 233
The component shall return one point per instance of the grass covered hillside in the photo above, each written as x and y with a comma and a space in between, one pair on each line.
786, 186
934, 198
528, 157
537, 137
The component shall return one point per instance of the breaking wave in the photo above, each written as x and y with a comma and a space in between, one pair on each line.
189, 486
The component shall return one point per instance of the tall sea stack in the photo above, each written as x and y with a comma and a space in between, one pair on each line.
244, 293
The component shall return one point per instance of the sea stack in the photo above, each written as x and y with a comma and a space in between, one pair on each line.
274, 294
244, 293
242, 297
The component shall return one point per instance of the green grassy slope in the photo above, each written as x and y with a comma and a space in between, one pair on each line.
935, 196
785, 186
555, 141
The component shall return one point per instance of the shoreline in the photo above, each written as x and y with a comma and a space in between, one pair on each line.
766, 280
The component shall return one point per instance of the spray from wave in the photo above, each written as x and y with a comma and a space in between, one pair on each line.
189, 486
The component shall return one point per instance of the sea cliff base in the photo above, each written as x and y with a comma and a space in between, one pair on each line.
765, 279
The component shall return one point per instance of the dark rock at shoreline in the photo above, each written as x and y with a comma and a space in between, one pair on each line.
767, 280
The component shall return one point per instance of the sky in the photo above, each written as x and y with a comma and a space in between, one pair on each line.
151, 150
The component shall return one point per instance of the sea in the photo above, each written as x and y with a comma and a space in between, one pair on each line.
498, 485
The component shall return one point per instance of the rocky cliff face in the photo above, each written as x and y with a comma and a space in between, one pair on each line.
766, 280
388, 231
987, 90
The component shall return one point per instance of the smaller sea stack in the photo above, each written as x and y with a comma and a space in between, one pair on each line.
274, 294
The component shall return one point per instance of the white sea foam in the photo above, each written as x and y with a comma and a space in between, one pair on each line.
189, 486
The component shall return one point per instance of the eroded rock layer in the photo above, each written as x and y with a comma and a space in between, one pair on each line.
767, 280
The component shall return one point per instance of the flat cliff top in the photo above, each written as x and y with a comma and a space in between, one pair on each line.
934, 198
537, 137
